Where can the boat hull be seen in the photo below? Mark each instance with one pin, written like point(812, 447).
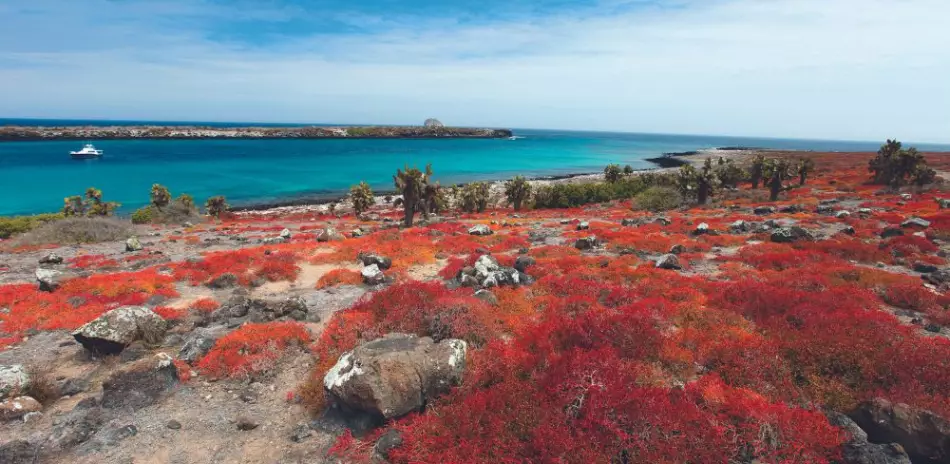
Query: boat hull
point(83, 156)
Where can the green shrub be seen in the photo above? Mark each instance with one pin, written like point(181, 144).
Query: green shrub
point(160, 196)
point(216, 206)
point(143, 215)
point(896, 166)
point(517, 191)
point(613, 173)
point(571, 195)
point(10, 226)
point(659, 199)
point(474, 197)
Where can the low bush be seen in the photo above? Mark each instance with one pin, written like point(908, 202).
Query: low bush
point(20, 224)
point(177, 211)
point(76, 230)
point(659, 199)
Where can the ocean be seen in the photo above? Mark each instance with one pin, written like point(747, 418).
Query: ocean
point(36, 176)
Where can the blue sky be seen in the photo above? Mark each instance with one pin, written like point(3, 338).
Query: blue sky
point(844, 69)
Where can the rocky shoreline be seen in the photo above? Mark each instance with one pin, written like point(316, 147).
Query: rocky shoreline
point(37, 133)
point(496, 187)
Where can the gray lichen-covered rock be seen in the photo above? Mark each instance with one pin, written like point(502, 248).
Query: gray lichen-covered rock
point(285, 234)
point(395, 375)
point(480, 230)
point(583, 225)
point(739, 226)
point(133, 244)
point(113, 331)
point(523, 263)
point(266, 310)
point(372, 275)
point(330, 235)
point(701, 229)
point(13, 378)
point(48, 279)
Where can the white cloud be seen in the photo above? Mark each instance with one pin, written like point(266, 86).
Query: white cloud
point(853, 69)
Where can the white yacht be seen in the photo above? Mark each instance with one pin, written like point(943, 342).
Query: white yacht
point(87, 151)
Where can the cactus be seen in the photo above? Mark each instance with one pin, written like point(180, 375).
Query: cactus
point(756, 170)
point(517, 191)
point(896, 166)
point(474, 197)
point(362, 197)
point(777, 172)
point(216, 206)
point(613, 173)
point(411, 183)
point(160, 196)
point(805, 166)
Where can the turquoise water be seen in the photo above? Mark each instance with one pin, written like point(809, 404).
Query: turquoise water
point(36, 176)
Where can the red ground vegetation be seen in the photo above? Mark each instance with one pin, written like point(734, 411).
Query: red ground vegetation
point(251, 349)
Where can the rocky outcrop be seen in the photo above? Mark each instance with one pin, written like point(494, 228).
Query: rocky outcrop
point(199, 343)
point(924, 435)
point(395, 375)
point(113, 331)
point(669, 261)
point(25, 133)
point(369, 258)
point(141, 384)
point(487, 273)
point(433, 123)
point(372, 275)
point(857, 449)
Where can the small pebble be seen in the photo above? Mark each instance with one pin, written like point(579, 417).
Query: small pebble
point(173, 424)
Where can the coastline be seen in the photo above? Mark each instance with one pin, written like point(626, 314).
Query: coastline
point(155, 132)
point(496, 187)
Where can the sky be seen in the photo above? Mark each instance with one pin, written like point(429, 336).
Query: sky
point(829, 69)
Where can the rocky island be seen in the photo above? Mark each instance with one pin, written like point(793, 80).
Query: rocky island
point(37, 133)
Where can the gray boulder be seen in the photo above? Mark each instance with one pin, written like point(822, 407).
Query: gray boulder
point(48, 279)
point(763, 210)
point(857, 449)
point(791, 234)
point(285, 234)
point(372, 275)
point(480, 230)
point(889, 232)
point(916, 222)
point(133, 244)
point(523, 263)
point(113, 331)
point(370, 258)
point(583, 225)
point(395, 375)
point(19, 452)
point(266, 310)
point(843, 214)
point(13, 379)
point(701, 229)
point(586, 243)
point(51, 258)
point(330, 235)
point(739, 226)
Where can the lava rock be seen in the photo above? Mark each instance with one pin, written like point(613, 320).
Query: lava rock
point(370, 258)
point(925, 268)
point(763, 210)
point(301, 432)
point(18, 452)
point(739, 226)
point(701, 229)
point(51, 258)
point(924, 435)
point(199, 343)
point(677, 249)
point(173, 425)
point(523, 263)
point(857, 449)
point(111, 332)
point(487, 296)
point(669, 261)
point(285, 234)
point(586, 243)
point(891, 232)
point(395, 375)
point(583, 225)
point(226, 280)
point(246, 424)
point(330, 235)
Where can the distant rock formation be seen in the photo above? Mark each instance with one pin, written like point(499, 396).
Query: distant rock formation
point(433, 123)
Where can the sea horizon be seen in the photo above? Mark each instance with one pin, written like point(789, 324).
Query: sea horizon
point(254, 173)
